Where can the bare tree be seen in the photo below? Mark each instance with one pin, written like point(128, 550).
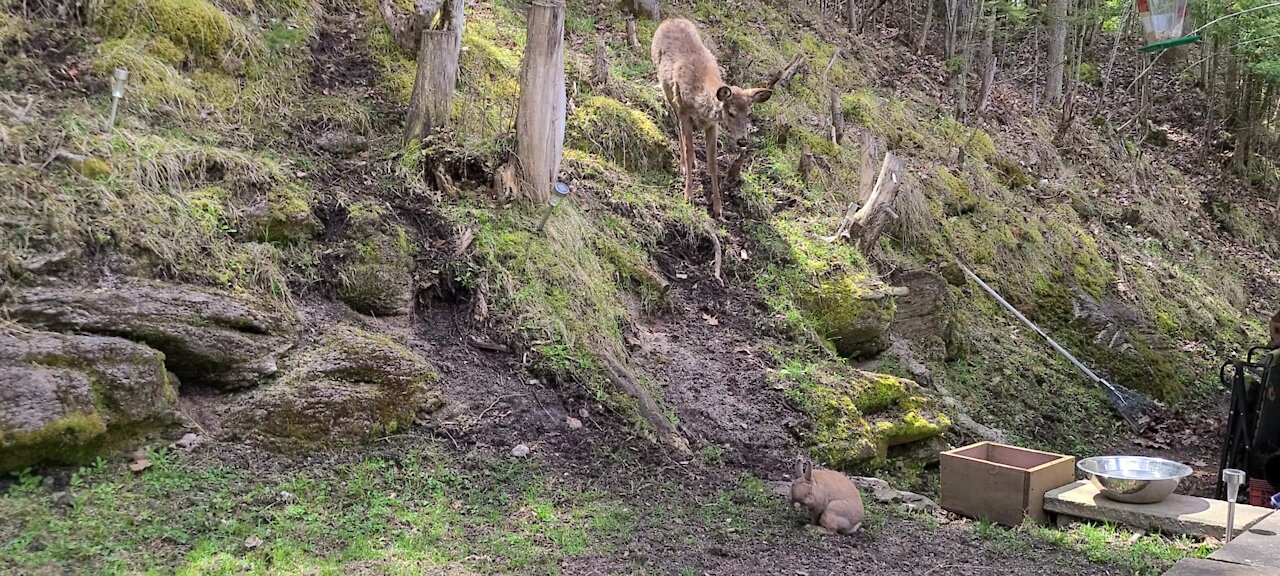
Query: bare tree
point(437, 74)
point(1056, 52)
point(541, 113)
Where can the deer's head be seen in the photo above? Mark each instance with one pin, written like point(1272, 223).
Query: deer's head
point(735, 113)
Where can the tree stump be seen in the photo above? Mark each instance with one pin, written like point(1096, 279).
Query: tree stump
point(437, 75)
point(540, 116)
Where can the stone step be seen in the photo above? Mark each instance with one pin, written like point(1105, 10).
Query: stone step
point(1178, 514)
point(1257, 546)
point(1197, 567)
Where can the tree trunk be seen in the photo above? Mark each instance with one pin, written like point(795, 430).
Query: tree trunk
point(1057, 52)
point(437, 75)
point(540, 114)
point(632, 39)
point(924, 28)
point(851, 14)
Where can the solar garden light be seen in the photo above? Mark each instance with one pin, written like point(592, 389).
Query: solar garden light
point(118, 81)
point(1234, 478)
point(559, 192)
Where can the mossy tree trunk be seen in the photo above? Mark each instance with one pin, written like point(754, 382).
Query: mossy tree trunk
point(437, 75)
point(540, 116)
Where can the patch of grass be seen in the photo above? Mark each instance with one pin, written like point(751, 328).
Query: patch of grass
point(418, 512)
point(1146, 554)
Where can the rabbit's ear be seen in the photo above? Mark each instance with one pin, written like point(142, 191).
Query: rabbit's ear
point(808, 471)
point(799, 468)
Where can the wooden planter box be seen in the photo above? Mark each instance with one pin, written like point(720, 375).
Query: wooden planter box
point(1000, 483)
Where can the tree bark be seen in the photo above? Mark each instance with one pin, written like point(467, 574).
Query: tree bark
point(851, 14)
point(437, 75)
point(1056, 52)
point(924, 28)
point(540, 114)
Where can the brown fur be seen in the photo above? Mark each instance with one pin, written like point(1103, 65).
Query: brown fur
point(699, 98)
point(834, 503)
point(1274, 327)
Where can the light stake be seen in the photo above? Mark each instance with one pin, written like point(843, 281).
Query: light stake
point(1234, 478)
point(118, 81)
point(559, 191)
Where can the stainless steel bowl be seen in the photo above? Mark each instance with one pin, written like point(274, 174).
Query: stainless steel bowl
point(1134, 479)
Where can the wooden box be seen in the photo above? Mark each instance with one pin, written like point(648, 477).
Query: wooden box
point(1000, 483)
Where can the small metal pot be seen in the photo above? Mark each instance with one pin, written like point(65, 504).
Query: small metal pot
point(1134, 479)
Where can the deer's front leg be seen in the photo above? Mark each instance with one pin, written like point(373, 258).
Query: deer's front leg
point(687, 158)
point(713, 166)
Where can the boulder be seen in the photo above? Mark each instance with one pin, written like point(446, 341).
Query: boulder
point(378, 279)
point(208, 336)
point(65, 398)
point(852, 315)
point(353, 387)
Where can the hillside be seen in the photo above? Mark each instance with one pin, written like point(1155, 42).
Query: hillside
point(391, 369)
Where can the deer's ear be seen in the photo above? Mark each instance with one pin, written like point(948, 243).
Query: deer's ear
point(723, 93)
point(759, 95)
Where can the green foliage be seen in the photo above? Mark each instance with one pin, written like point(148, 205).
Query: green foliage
point(198, 27)
point(613, 130)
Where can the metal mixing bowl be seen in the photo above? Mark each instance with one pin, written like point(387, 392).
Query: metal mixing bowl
point(1134, 479)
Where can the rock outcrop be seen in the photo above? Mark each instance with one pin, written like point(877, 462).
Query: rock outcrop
point(64, 398)
point(207, 336)
point(352, 388)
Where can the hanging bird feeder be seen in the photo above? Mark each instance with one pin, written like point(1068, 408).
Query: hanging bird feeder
point(1162, 22)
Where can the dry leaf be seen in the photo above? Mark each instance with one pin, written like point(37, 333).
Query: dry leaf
point(711, 319)
point(252, 542)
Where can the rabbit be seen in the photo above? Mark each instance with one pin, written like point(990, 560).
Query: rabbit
point(833, 501)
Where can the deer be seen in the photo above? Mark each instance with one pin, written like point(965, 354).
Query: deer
point(699, 99)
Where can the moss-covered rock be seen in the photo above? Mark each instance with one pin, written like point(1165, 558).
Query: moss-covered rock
point(354, 387)
point(850, 315)
point(67, 398)
point(196, 26)
point(627, 136)
point(855, 416)
point(378, 277)
point(208, 336)
point(284, 216)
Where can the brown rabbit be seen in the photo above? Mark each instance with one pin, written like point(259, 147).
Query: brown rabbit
point(832, 499)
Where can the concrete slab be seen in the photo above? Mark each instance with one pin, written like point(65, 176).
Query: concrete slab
point(1178, 514)
point(1197, 567)
point(1257, 546)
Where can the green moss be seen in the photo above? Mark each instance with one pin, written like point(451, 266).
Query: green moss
point(913, 426)
point(196, 26)
point(71, 439)
point(1089, 74)
point(856, 326)
point(860, 107)
point(1011, 174)
point(882, 392)
point(208, 208)
point(839, 434)
point(618, 132)
point(288, 216)
point(153, 80)
point(976, 141)
point(958, 199)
